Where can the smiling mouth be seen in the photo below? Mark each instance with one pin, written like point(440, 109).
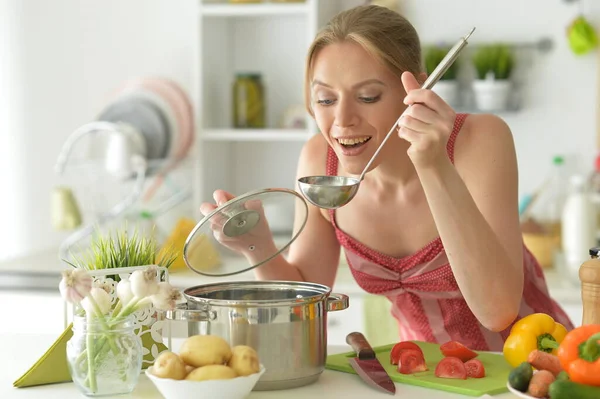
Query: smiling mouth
point(353, 142)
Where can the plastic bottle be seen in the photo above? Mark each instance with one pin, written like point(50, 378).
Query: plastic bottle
point(578, 227)
point(541, 216)
point(594, 190)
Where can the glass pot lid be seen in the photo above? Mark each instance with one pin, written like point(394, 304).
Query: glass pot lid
point(245, 232)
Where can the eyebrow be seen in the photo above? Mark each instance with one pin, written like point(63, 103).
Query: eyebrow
point(359, 84)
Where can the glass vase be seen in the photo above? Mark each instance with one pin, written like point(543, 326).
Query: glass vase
point(104, 355)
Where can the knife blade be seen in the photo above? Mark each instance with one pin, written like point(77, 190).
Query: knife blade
point(367, 366)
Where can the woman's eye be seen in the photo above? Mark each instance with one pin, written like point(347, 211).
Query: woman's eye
point(369, 100)
point(324, 102)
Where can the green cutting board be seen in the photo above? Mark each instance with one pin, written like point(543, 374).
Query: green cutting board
point(496, 370)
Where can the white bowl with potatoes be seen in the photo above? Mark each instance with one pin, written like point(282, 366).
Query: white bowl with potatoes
point(206, 367)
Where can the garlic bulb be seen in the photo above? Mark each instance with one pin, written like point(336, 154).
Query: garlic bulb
point(97, 303)
point(75, 285)
point(166, 298)
point(124, 291)
point(144, 282)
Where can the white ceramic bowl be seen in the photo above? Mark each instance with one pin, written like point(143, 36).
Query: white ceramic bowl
point(235, 388)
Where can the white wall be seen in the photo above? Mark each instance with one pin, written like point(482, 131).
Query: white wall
point(61, 59)
point(65, 59)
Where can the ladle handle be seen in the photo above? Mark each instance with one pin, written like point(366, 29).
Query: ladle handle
point(435, 76)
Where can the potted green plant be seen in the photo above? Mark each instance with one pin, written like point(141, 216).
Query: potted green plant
point(447, 86)
point(493, 65)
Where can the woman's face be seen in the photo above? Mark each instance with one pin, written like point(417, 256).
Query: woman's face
point(355, 100)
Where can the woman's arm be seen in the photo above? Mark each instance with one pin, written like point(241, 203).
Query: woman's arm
point(475, 207)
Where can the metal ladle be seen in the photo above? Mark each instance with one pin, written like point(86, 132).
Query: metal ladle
point(331, 192)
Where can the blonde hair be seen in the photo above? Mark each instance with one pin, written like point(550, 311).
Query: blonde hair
point(383, 33)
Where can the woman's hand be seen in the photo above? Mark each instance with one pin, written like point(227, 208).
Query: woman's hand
point(256, 244)
point(427, 124)
point(220, 197)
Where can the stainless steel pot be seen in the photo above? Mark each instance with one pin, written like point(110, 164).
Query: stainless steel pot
point(286, 322)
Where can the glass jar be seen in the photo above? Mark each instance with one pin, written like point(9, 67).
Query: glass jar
point(248, 101)
point(104, 357)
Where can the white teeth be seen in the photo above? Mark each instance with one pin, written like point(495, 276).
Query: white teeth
point(352, 141)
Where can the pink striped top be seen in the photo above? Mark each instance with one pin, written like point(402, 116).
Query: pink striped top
point(424, 295)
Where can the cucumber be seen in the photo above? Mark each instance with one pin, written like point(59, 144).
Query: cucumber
point(562, 376)
point(520, 376)
point(563, 389)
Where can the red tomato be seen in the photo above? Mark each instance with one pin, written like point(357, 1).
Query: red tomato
point(451, 367)
point(399, 347)
point(412, 361)
point(456, 349)
point(475, 368)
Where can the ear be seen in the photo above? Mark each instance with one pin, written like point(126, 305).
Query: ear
point(421, 78)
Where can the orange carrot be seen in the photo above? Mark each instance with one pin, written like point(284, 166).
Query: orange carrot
point(545, 361)
point(540, 383)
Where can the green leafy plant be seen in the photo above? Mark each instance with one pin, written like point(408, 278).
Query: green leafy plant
point(495, 58)
point(433, 55)
point(121, 249)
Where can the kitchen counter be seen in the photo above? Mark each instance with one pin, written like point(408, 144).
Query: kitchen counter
point(24, 349)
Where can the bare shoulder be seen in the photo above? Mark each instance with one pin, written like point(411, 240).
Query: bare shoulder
point(483, 138)
point(313, 158)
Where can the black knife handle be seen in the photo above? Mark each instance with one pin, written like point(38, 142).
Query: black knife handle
point(361, 346)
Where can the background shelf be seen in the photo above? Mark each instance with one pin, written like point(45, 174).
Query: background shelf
point(300, 135)
point(248, 10)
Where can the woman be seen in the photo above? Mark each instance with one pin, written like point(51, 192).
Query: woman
point(434, 226)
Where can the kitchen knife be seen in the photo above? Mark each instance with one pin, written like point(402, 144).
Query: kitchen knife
point(366, 364)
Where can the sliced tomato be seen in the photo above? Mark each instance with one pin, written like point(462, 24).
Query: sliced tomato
point(412, 361)
point(456, 349)
point(475, 368)
point(451, 367)
point(399, 347)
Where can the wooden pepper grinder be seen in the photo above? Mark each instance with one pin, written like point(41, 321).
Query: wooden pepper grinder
point(589, 274)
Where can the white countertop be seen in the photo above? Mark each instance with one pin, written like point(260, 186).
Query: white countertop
point(24, 349)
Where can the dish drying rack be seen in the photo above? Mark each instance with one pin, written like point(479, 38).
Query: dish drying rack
point(150, 127)
point(143, 171)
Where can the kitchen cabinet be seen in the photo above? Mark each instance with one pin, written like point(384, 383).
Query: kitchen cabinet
point(268, 38)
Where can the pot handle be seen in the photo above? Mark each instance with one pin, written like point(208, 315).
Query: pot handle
point(337, 302)
point(182, 313)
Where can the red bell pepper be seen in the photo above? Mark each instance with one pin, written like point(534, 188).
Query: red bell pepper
point(579, 354)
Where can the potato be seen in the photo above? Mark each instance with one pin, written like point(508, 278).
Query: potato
point(244, 360)
point(212, 372)
point(189, 369)
point(169, 365)
point(205, 350)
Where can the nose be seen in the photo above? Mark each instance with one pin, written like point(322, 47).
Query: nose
point(345, 114)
